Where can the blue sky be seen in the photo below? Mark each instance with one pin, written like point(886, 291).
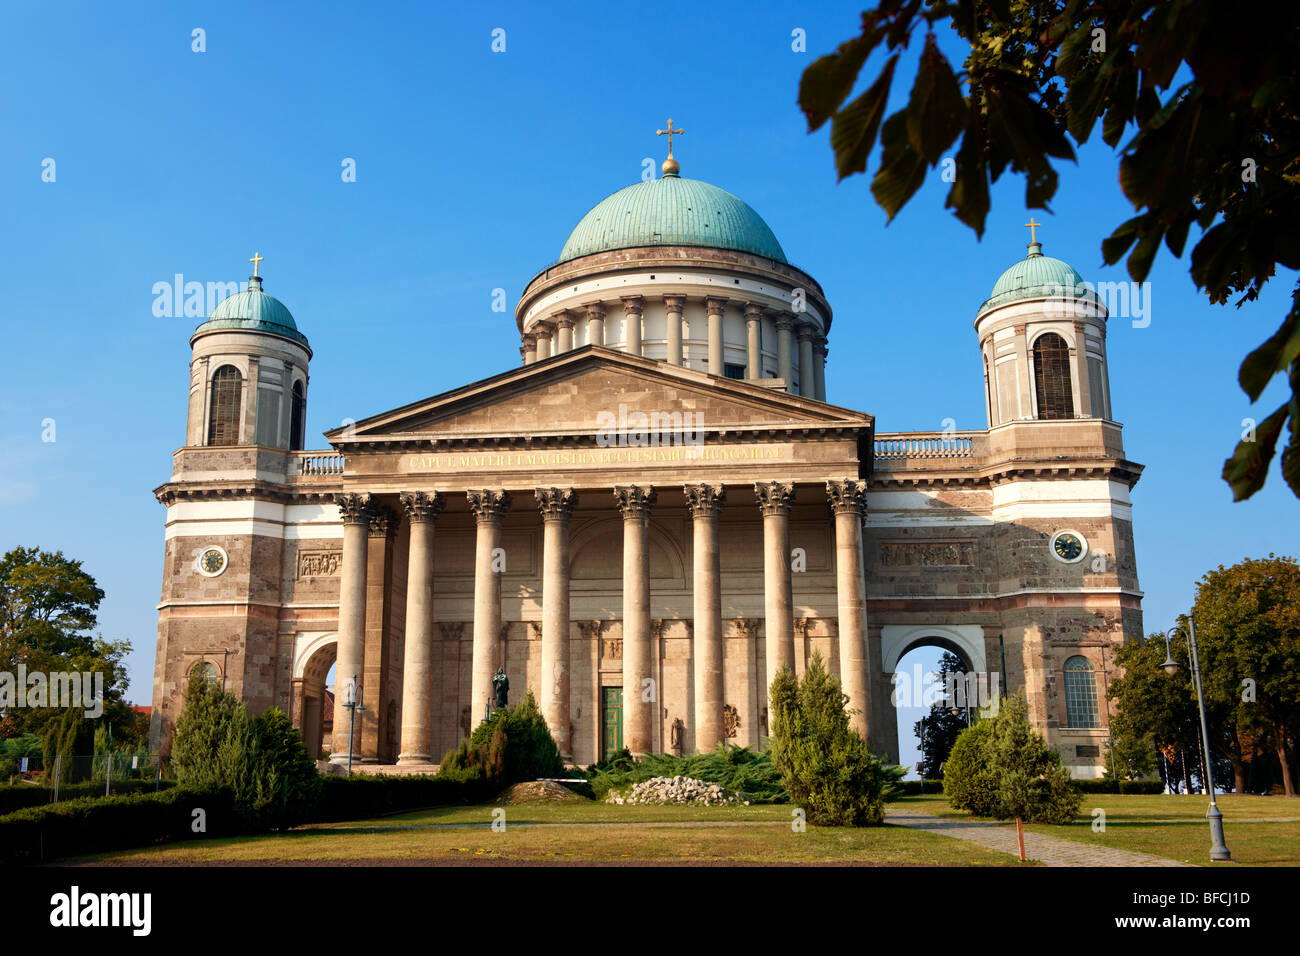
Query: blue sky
point(472, 167)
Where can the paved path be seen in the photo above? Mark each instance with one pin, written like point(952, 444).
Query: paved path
point(1001, 837)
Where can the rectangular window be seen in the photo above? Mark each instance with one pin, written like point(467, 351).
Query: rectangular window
point(733, 371)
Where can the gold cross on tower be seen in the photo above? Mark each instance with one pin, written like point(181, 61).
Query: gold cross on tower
point(1032, 227)
point(255, 261)
point(670, 164)
point(670, 132)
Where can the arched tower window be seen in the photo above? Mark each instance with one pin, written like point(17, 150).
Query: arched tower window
point(227, 395)
point(296, 416)
point(1080, 693)
point(1052, 385)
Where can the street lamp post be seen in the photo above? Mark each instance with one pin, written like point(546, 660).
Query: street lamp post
point(353, 703)
point(1218, 849)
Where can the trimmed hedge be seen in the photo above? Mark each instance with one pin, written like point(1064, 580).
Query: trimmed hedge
point(912, 788)
point(1145, 787)
point(362, 796)
point(21, 796)
point(80, 827)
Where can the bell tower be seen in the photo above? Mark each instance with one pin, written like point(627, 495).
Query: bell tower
point(248, 373)
point(1042, 336)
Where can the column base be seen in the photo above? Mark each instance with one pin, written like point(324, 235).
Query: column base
point(343, 759)
point(406, 760)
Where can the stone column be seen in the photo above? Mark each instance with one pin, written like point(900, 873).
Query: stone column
point(819, 367)
point(564, 332)
point(704, 502)
point(807, 377)
point(489, 508)
point(636, 501)
point(848, 501)
point(673, 305)
point(715, 308)
point(529, 349)
point(753, 357)
point(422, 510)
point(784, 349)
point(774, 500)
point(1079, 372)
point(248, 424)
point(378, 653)
point(1024, 376)
point(632, 305)
point(542, 333)
point(595, 323)
point(557, 506)
point(355, 511)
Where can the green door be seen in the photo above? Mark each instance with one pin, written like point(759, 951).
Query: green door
point(612, 711)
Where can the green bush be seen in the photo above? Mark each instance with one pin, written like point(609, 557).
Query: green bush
point(735, 768)
point(511, 746)
point(968, 781)
point(21, 796)
point(261, 759)
point(79, 827)
point(825, 767)
point(1001, 768)
point(363, 796)
point(1144, 787)
point(912, 788)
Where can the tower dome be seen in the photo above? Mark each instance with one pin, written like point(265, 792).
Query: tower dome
point(1034, 276)
point(672, 211)
point(252, 311)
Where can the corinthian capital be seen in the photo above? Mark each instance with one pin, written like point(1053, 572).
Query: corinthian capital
point(556, 504)
point(634, 500)
point(704, 500)
point(488, 505)
point(847, 496)
point(774, 497)
point(355, 508)
point(422, 506)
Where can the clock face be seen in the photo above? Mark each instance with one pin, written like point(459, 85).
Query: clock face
point(212, 562)
point(1068, 546)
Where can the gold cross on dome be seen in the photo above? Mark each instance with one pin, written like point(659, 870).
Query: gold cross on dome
point(1032, 227)
point(256, 260)
point(670, 132)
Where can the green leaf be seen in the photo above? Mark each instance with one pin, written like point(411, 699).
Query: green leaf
point(1275, 355)
point(936, 112)
point(969, 196)
point(1246, 470)
point(902, 169)
point(853, 132)
point(826, 83)
point(1119, 241)
point(1139, 262)
point(1072, 49)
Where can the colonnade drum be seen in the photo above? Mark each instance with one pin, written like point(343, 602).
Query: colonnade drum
point(710, 719)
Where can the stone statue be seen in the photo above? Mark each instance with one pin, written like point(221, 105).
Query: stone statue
point(500, 688)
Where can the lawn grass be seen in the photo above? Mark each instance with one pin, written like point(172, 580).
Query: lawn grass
point(1172, 826)
point(576, 834)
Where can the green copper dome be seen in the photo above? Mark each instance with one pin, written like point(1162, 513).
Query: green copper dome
point(1034, 276)
point(671, 211)
point(252, 311)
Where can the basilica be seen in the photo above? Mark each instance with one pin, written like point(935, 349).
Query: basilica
point(650, 512)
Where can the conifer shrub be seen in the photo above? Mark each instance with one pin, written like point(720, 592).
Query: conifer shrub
point(1001, 768)
point(261, 760)
point(968, 780)
point(825, 767)
point(511, 746)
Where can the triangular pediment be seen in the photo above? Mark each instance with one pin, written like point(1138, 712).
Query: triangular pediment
point(581, 392)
